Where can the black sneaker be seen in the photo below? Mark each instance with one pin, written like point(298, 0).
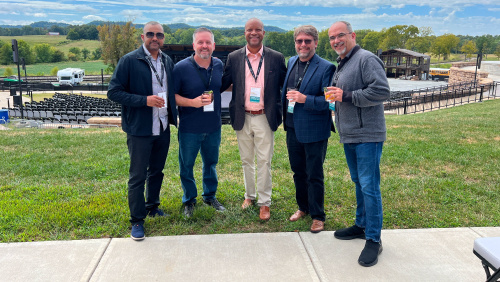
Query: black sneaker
point(349, 233)
point(216, 204)
point(188, 210)
point(156, 212)
point(369, 255)
point(137, 233)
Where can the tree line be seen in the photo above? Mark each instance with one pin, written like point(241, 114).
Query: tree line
point(119, 39)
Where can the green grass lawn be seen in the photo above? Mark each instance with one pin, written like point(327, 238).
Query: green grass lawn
point(439, 169)
point(90, 67)
point(60, 42)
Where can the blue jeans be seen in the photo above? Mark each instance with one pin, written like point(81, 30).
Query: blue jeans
point(189, 146)
point(363, 160)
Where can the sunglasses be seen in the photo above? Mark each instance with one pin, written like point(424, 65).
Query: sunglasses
point(151, 34)
point(306, 41)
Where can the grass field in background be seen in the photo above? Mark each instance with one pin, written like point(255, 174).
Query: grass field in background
point(90, 67)
point(59, 42)
point(439, 169)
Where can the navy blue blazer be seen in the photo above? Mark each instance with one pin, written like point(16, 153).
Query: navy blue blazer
point(312, 120)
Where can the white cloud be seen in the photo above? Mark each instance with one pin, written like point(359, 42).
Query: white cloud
point(398, 6)
point(39, 15)
point(93, 18)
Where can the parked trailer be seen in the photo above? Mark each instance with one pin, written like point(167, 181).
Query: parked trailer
point(70, 76)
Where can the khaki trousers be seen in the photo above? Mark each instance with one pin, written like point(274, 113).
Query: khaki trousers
point(256, 139)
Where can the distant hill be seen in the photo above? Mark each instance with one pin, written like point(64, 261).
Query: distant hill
point(173, 27)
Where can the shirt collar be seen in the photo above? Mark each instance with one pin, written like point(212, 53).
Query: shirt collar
point(146, 51)
point(348, 54)
point(260, 51)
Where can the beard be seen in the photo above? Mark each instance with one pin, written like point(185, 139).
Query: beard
point(204, 55)
point(342, 51)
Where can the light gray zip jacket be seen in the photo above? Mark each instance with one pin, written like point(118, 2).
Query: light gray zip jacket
point(360, 115)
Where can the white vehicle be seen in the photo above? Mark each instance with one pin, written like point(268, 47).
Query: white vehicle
point(70, 76)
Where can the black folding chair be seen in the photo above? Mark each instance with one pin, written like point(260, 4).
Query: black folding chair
point(487, 249)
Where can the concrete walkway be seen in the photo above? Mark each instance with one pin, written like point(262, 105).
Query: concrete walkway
point(409, 255)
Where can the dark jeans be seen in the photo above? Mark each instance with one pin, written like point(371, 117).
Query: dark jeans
point(147, 160)
point(306, 161)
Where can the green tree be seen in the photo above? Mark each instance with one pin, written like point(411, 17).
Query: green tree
point(468, 49)
point(444, 44)
point(371, 41)
point(8, 71)
point(44, 52)
point(25, 52)
point(485, 44)
point(116, 41)
point(54, 71)
point(360, 34)
point(96, 54)
point(72, 57)
point(397, 36)
point(85, 53)
point(73, 35)
point(57, 55)
point(497, 51)
point(6, 54)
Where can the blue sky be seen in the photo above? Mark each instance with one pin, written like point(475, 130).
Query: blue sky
point(463, 17)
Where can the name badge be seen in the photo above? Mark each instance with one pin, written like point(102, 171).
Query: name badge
point(209, 107)
point(164, 96)
point(255, 94)
point(291, 105)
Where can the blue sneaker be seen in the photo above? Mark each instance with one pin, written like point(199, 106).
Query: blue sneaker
point(156, 212)
point(137, 233)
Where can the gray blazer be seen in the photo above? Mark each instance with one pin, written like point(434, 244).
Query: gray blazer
point(274, 76)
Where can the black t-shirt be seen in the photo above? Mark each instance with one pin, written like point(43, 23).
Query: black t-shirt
point(292, 83)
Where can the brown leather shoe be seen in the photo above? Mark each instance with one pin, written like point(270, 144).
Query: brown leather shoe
point(298, 214)
point(265, 214)
point(317, 226)
point(247, 203)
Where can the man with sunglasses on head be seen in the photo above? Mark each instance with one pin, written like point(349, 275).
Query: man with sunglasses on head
point(197, 94)
point(359, 90)
point(308, 121)
point(143, 84)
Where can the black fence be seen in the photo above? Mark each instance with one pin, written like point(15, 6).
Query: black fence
point(435, 98)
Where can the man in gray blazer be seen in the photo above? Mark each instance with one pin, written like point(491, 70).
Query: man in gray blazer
point(257, 74)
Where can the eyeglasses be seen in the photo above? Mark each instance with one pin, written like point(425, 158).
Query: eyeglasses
point(340, 36)
point(151, 34)
point(306, 41)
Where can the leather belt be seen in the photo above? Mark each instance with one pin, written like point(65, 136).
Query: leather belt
point(259, 112)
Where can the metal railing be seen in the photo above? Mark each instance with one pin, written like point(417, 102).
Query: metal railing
point(435, 98)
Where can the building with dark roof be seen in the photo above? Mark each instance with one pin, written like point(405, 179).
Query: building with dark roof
point(406, 63)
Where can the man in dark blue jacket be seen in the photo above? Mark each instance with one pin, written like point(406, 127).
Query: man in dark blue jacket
point(143, 84)
point(308, 122)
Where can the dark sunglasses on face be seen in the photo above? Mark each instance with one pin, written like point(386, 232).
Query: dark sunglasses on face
point(151, 34)
point(306, 41)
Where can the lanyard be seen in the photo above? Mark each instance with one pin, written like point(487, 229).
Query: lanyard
point(298, 80)
point(258, 69)
point(202, 77)
point(148, 59)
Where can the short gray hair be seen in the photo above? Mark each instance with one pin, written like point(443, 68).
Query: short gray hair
point(307, 29)
point(348, 25)
point(203, 29)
